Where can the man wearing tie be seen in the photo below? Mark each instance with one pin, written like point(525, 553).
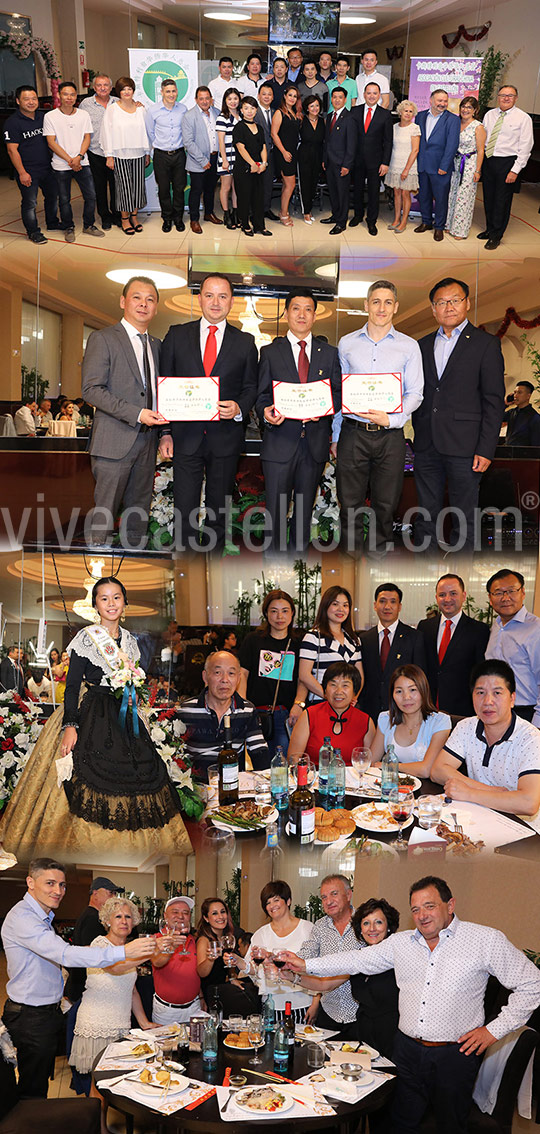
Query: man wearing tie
point(385, 646)
point(454, 644)
point(263, 118)
point(11, 672)
point(294, 453)
point(119, 378)
point(509, 146)
point(199, 449)
point(338, 158)
point(373, 149)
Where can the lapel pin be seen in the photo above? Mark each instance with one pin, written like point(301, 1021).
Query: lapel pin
point(398, 656)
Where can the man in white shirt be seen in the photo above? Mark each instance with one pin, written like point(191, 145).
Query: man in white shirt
point(68, 132)
point(509, 144)
point(441, 969)
point(515, 638)
point(222, 82)
point(95, 106)
point(369, 74)
point(25, 419)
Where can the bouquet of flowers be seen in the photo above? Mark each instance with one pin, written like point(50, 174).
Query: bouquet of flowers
point(127, 673)
point(166, 733)
point(19, 730)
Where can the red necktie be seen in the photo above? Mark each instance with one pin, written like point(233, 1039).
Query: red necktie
point(210, 352)
point(385, 647)
point(303, 362)
point(333, 120)
point(447, 634)
point(367, 120)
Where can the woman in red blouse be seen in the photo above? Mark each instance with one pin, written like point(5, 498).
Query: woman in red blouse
point(337, 717)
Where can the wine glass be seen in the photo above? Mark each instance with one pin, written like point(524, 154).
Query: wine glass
point(401, 804)
point(278, 959)
point(214, 949)
point(257, 954)
point(165, 931)
point(228, 942)
point(255, 1036)
point(361, 760)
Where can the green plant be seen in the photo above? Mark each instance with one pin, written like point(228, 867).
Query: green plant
point(232, 895)
point(470, 607)
point(242, 609)
point(178, 889)
point(308, 590)
point(493, 64)
point(33, 384)
point(534, 358)
point(312, 910)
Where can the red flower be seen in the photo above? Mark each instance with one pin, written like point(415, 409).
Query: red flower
point(180, 763)
point(8, 744)
point(2, 719)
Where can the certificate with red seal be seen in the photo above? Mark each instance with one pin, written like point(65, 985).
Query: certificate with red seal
point(363, 392)
point(303, 400)
point(188, 399)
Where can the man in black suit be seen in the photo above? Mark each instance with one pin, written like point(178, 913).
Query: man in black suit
point(454, 644)
point(11, 672)
point(338, 157)
point(385, 647)
point(522, 419)
point(210, 346)
point(263, 118)
point(294, 453)
point(373, 149)
point(456, 428)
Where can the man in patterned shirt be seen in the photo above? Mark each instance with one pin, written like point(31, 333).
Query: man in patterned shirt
point(441, 969)
point(335, 1010)
point(499, 750)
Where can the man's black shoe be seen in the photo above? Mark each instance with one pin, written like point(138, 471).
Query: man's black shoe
point(372, 229)
point(328, 220)
point(492, 244)
point(37, 237)
point(337, 229)
point(106, 225)
point(355, 220)
point(271, 215)
point(482, 235)
point(180, 226)
point(166, 226)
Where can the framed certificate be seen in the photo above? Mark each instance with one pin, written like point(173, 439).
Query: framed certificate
point(188, 399)
point(303, 400)
point(363, 392)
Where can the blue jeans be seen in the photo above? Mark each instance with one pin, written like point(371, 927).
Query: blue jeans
point(281, 736)
point(46, 181)
point(85, 182)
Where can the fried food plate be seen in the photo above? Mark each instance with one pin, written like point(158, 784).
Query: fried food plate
point(246, 810)
point(131, 1050)
point(160, 1081)
point(377, 817)
point(263, 1100)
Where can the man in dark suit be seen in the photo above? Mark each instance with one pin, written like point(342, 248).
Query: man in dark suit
point(522, 419)
point(385, 647)
point(456, 428)
point(338, 157)
point(210, 346)
point(373, 149)
point(294, 453)
point(454, 644)
point(119, 372)
point(263, 118)
point(439, 140)
point(11, 672)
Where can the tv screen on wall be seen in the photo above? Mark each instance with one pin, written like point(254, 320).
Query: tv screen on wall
point(304, 21)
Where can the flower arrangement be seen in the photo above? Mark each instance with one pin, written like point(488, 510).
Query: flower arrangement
point(325, 519)
point(19, 730)
point(23, 46)
point(160, 527)
point(166, 733)
point(127, 673)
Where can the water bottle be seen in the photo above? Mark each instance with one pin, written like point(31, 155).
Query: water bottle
point(325, 755)
point(210, 1042)
point(389, 772)
point(269, 1014)
point(336, 779)
point(279, 780)
point(281, 1048)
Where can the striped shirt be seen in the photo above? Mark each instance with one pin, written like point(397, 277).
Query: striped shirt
point(205, 733)
point(225, 125)
point(339, 1004)
point(323, 651)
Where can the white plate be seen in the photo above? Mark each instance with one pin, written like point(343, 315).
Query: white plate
point(155, 1088)
point(338, 1045)
point(312, 1035)
point(223, 826)
point(340, 838)
point(127, 1051)
point(386, 851)
point(287, 1105)
point(374, 792)
point(371, 824)
point(234, 1046)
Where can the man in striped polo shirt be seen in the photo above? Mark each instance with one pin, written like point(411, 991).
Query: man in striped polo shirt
point(203, 717)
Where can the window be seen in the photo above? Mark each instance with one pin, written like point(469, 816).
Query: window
point(41, 344)
point(146, 34)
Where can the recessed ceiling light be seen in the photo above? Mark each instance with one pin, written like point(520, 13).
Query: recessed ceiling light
point(227, 15)
point(353, 289)
point(162, 277)
point(357, 20)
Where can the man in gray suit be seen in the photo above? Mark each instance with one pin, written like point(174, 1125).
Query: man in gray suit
point(119, 373)
point(201, 146)
point(263, 118)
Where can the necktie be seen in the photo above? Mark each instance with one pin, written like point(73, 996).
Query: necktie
point(492, 140)
point(303, 363)
point(146, 371)
point(367, 120)
point(385, 647)
point(210, 351)
point(333, 120)
point(447, 634)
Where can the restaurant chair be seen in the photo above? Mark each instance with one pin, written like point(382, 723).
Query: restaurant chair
point(62, 429)
point(7, 428)
point(49, 1116)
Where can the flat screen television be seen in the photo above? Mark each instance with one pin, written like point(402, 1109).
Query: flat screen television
point(269, 275)
point(306, 22)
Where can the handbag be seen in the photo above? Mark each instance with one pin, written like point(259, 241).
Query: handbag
point(266, 716)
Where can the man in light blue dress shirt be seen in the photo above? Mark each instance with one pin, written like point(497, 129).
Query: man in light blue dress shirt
point(164, 128)
point(35, 955)
point(370, 447)
point(515, 638)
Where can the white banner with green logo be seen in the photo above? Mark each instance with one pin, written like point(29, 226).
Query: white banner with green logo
point(148, 68)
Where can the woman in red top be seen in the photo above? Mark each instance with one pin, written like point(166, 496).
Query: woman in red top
point(337, 717)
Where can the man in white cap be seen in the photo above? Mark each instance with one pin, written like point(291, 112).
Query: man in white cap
point(177, 984)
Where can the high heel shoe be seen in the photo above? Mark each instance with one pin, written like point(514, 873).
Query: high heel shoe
point(234, 218)
point(136, 227)
point(129, 231)
point(227, 219)
point(286, 220)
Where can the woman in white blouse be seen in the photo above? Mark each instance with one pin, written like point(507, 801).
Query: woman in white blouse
point(127, 149)
point(413, 724)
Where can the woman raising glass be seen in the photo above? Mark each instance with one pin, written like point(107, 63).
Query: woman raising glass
point(216, 941)
point(333, 638)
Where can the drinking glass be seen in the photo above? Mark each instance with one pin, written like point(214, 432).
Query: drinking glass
point(361, 760)
point(228, 942)
point(235, 1022)
point(278, 959)
point(165, 931)
point(256, 1036)
point(401, 804)
point(429, 809)
point(214, 949)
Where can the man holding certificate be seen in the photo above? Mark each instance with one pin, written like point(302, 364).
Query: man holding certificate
point(383, 383)
point(207, 440)
point(299, 391)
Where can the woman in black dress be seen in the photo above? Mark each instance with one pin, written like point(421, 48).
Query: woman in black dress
point(310, 153)
point(251, 161)
point(285, 131)
point(216, 934)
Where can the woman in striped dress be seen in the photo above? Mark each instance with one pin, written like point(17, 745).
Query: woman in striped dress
point(127, 149)
point(225, 124)
point(332, 639)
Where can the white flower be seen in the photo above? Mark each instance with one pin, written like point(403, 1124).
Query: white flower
point(158, 734)
point(181, 779)
point(22, 739)
point(179, 728)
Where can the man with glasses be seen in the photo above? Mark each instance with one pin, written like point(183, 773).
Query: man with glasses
point(509, 145)
point(515, 637)
point(456, 428)
point(96, 105)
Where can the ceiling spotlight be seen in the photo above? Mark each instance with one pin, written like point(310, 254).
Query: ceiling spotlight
point(357, 19)
point(163, 278)
point(218, 14)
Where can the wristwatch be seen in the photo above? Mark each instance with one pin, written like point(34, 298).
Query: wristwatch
point(301, 703)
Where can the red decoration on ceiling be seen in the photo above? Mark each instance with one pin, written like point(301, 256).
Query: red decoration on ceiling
point(462, 33)
point(511, 316)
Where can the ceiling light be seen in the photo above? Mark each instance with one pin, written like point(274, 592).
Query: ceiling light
point(357, 20)
point(353, 289)
point(163, 277)
point(328, 271)
point(227, 15)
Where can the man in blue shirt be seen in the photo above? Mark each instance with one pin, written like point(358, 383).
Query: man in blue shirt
point(370, 447)
point(35, 955)
point(30, 155)
point(164, 127)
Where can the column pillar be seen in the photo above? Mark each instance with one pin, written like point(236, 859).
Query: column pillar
point(71, 27)
point(191, 591)
point(10, 337)
point(72, 354)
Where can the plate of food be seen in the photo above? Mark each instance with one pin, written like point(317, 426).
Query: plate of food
point(246, 815)
point(264, 1100)
point(130, 1050)
point(308, 1031)
point(372, 783)
point(354, 1047)
point(372, 848)
point(458, 844)
point(237, 1041)
point(152, 1081)
point(337, 823)
point(377, 817)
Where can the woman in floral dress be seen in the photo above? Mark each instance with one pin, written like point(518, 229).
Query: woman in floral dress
point(467, 168)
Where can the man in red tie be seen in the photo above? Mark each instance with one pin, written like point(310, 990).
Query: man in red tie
point(209, 449)
point(294, 452)
point(454, 644)
point(373, 149)
point(389, 644)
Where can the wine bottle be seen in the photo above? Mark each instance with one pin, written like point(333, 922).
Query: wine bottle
point(289, 1025)
point(228, 767)
point(302, 808)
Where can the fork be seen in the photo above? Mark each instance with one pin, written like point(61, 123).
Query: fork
point(231, 1093)
point(457, 827)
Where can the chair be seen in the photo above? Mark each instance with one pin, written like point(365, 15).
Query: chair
point(194, 663)
point(62, 429)
point(7, 428)
point(49, 1116)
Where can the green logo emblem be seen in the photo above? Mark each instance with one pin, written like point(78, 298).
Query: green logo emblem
point(164, 69)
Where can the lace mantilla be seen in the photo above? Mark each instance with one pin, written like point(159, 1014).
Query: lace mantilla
point(84, 645)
